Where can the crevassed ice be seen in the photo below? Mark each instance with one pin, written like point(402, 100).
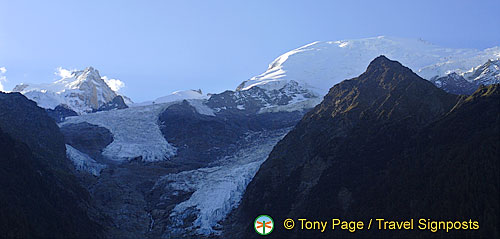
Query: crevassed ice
point(135, 132)
point(216, 190)
point(83, 162)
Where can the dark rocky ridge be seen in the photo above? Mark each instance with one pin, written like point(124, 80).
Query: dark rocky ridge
point(387, 144)
point(60, 113)
point(23, 120)
point(39, 195)
point(205, 138)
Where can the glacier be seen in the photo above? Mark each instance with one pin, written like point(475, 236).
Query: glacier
point(135, 132)
point(217, 189)
point(83, 162)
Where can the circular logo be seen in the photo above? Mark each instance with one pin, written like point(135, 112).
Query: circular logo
point(263, 225)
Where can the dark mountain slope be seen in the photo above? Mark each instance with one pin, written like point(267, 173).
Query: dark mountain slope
point(206, 138)
point(364, 152)
point(60, 113)
point(451, 169)
point(39, 196)
point(24, 121)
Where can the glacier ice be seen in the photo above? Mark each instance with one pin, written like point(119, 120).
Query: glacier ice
point(217, 189)
point(83, 162)
point(135, 132)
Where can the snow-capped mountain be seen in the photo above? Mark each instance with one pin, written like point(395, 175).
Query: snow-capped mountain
point(320, 65)
point(486, 74)
point(82, 91)
point(466, 83)
point(455, 84)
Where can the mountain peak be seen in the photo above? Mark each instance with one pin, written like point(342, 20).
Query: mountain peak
point(89, 73)
point(83, 91)
point(387, 89)
point(388, 72)
point(383, 62)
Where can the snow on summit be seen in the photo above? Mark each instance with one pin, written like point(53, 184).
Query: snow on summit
point(320, 65)
point(176, 96)
point(83, 91)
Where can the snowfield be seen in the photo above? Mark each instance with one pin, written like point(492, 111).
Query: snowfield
point(135, 132)
point(218, 189)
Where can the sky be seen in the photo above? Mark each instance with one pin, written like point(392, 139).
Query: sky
point(157, 47)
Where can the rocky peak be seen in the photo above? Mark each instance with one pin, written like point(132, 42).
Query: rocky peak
point(96, 91)
point(384, 70)
point(89, 73)
point(387, 90)
point(82, 91)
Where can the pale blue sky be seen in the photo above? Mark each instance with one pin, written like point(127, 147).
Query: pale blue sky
point(157, 47)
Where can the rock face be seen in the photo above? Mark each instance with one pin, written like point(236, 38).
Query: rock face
point(116, 103)
point(39, 196)
point(95, 92)
point(387, 144)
